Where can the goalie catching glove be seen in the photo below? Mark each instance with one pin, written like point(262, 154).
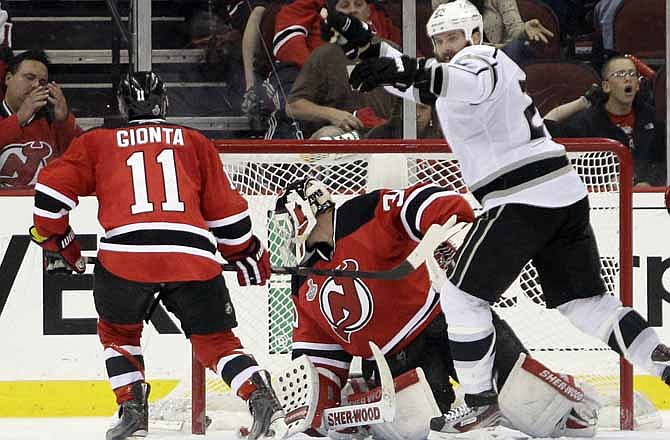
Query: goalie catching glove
point(401, 73)
point(253, 264)
point(62, 253)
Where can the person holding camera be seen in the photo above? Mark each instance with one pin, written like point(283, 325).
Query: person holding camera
point(36, 124)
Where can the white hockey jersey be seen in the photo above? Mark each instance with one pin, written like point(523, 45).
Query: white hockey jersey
point(504, 150)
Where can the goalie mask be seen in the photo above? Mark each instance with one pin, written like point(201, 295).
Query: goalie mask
point(295, 215)
point(458, 15)
point(142, 95)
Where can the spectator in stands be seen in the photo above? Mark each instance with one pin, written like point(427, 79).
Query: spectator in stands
point(618, 112)
point(604, 14)
point(252, 39)
point(298, 30)
point(36, 124)
point(503, 26)
point(427, 125)
point(321, 97)
point(257, 103)
point(297, 35)
point(298, 26)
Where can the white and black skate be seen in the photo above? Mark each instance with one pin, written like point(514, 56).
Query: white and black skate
point(661, 355)
point(133, 415)
point(480, 411)
point(268, 416)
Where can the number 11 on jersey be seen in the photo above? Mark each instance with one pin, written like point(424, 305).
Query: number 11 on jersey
point(137, 165)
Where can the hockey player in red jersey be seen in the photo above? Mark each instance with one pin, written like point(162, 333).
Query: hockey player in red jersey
point(337, 316)
point(162, 193)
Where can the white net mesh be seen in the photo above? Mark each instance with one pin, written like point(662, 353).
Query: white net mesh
point(265, 314)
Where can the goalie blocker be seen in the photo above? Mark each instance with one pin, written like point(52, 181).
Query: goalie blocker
point(534, 399)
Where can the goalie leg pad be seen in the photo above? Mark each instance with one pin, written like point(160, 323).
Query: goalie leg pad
point(542, 403)
point(415, 406)
point(298, 391)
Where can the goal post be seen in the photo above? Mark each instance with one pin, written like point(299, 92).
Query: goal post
point(261, 169)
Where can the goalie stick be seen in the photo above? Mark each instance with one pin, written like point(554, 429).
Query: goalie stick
point(371, 413)
point(433, 237)
point(431, 240)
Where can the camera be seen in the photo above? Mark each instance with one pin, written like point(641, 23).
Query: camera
point(47, 112)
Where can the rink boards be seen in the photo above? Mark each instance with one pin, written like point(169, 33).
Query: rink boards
point(53, 363)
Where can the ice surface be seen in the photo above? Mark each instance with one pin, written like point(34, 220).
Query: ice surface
point(92, 428)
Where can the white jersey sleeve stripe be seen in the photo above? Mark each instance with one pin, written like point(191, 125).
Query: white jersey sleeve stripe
point(56, 195)
point(285, 35)
point(228, 220)
point(48, 214)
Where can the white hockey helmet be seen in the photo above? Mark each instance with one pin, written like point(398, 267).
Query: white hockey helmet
point(295, 214)
point(456, 15)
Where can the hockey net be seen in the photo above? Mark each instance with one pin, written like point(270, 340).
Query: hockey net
point(265, 314)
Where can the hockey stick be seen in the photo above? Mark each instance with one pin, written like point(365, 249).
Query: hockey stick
point(371, 413)
point(433, 237)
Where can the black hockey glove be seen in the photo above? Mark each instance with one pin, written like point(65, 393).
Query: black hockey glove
point(401, 73)
point(62, 253)
point(595, 95)
point(350, 33)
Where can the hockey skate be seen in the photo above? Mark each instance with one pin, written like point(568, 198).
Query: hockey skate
point(266, 410)
point(661, 355)
point(133, 415)
point(470, 420)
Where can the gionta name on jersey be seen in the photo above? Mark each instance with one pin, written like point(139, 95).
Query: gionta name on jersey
point(145, 135)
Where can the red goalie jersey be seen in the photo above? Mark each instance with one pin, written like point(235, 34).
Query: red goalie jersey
point(336, 317)
point(162, 192)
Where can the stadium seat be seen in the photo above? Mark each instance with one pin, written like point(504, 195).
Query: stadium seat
point(554, 83)
point(639, 28)
point(530, 9)
point(423, 11)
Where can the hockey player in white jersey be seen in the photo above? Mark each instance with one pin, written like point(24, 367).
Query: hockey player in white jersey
point(534, 207)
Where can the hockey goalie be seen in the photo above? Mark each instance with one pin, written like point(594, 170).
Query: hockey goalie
point(337, 318)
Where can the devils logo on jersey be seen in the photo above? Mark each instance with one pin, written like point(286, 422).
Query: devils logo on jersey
point(20, 163)
point(346, 303)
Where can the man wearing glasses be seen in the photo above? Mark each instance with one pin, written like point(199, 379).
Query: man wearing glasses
point(622, 116)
